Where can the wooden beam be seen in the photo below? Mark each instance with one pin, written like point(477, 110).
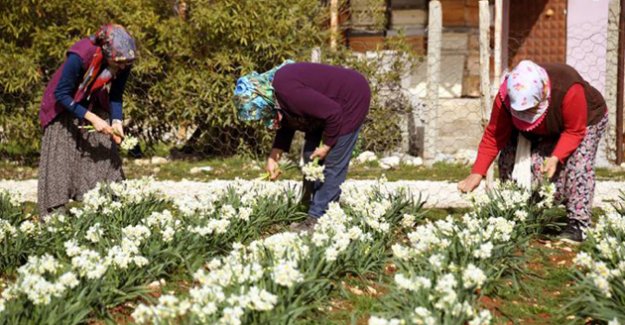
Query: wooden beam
point(334, 22)
point(619, 85)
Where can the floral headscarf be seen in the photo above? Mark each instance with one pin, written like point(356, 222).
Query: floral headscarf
point(114, 43)
point(254, 97)
point(528, 87)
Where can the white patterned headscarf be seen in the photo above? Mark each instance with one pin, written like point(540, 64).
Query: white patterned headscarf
point(529, 92)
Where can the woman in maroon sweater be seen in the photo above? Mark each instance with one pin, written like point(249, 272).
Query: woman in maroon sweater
point(328, 103)
point(564, 118)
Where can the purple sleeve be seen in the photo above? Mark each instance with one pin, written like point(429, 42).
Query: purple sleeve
point(283, 139)
point(308, 102)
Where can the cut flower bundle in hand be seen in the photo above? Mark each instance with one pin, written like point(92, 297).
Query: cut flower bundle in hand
point(313, 171)
point(284, 165)
point(127, 143)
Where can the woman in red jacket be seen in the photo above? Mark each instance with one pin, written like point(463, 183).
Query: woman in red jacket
point(564, 117)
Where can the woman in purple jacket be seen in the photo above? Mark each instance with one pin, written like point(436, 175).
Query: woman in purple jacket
point(88, 86)
point(328, 103)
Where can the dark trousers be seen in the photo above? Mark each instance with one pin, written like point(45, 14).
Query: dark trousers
point(318, 195)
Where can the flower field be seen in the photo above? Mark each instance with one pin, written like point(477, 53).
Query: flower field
point(128, 254)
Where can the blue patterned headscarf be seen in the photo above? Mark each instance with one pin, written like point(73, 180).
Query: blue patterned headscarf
point(254, 97)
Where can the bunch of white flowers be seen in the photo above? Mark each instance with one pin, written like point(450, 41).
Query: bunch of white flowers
point(416, 283)
point(94, 233)
point(36, 281)
point(168, 308)
point(163, 223)
point(313, 171)
point(285, 273)
point(473, 277)
point(606, 262)
point(129, 143)
point(89, 263)
point(16, 198)
point(6, 230)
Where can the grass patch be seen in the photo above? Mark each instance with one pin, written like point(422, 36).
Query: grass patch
point(544, 292)
point(247, 168)
point(610, 174)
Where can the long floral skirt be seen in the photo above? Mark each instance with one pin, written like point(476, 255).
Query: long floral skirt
point(73, 161)
point(574, 180)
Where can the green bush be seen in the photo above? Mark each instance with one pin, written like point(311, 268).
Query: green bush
point(184, 77)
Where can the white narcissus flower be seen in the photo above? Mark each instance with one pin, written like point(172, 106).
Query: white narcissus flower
point(436, 261)
point(483, 318)
point(583, 260)
point(89, 264)
point(28, 227)
point(331, 254)
point(602, 284)
point(484, 252)
point(286, 274)
point(137, 233)
point(168, 234)
point(261, 299)
point(168, 309)
point(401, 252)
point(231, 316)
point(521, 215)
point(94, 233)
point(71, 248)
point(245, 213)
point(313, 172)
point(6, 230)
point(423, 316)
point(129, 143)
point(413, 284)
point(374, 320)
point(69, 280)
point(76, 212)
point(408, 220)
point(473, 277)
point(140, 261)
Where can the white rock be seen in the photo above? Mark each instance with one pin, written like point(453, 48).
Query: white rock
point(441, 157)
point(196, 170)
point(141, 162)
point(623, 165)
point(366, 156)
point(390, 162)
point(158, 160)
point(466, 156)
point(413, 161)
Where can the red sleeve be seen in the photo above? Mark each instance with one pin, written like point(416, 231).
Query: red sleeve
point(496, 136)
point(574, 116)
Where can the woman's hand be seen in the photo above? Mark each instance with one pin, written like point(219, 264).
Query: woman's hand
point(550, 166)
point(321, 152)
point(273, 168)
point(99, 124)
point(470, 183)
point(118, 131)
